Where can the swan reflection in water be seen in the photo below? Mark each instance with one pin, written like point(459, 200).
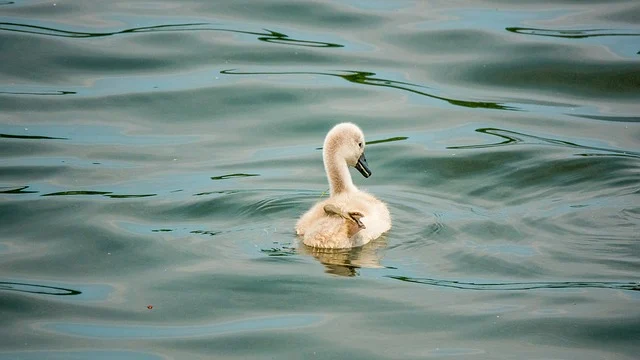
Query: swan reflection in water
point(346, 262)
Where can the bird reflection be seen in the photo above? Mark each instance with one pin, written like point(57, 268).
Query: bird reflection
point(346, 262)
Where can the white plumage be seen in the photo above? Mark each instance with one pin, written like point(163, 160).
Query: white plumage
point(349, 217)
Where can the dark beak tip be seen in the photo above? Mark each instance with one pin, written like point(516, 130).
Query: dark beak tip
point(363, 167)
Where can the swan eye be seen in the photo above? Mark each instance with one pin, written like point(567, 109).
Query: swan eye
point(360, 144)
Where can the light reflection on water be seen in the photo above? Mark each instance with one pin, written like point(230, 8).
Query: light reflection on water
point(89, 354)
point(164, 332)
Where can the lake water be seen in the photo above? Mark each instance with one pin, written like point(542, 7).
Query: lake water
point(155, 156)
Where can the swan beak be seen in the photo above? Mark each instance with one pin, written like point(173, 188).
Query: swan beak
point(363, 167)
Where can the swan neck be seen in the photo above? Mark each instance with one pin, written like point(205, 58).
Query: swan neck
point(338, 173)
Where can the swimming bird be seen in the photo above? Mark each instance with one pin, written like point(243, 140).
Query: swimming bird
point(349, 217)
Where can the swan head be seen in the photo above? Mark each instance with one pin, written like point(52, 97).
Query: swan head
point(346, 141)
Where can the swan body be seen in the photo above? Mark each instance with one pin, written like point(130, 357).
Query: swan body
point(349, 217)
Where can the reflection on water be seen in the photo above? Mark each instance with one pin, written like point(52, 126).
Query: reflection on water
point(573, 34)
point(391, 139)
point(103, 193)
point(342, 262)
point(46, 93)
point(346, 262)
point(521, 285)
point(31, 137)
point(267, 36)
point(366, 78)
point(19, 190)
point(230, 176)
point(514, 138)
point(37, 289)
point(81, 292)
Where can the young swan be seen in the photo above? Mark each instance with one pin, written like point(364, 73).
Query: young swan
point(349, 217)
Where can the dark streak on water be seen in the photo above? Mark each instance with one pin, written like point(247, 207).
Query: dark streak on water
point(31, 137)
point(267, 36)
point(37, 289)
point(572, 34)
point(230, 176)
point(521, 285)
point(366, 78)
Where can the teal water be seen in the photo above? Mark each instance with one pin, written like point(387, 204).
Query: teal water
point(154, 158)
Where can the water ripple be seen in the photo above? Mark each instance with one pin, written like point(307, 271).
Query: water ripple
point(391, 139)
point(37, 289)
point(231, 176)
point(31, 137)
point(366, 78)
point(51, 92)
point(533, 285)
point(513, 137)
point(92, 192)
point(268, 36)
point(139, 170)
point(572, 34)
point(630, 119)
point(18, 190)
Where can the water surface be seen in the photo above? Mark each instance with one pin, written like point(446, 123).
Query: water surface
point(156, 155)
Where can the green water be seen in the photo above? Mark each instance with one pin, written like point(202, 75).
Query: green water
point(155, 156)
